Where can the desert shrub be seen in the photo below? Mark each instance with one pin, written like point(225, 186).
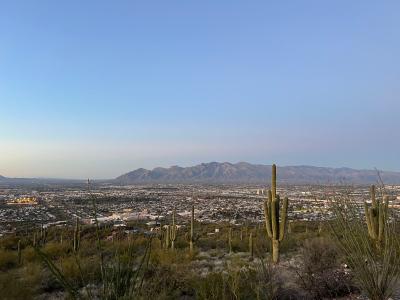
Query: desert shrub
point(166, 282)
point(320, 274)
point(375, 267)
point(259, 282)
point(8, 259)
point(11, 287)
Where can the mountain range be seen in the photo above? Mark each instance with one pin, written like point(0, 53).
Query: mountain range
point(243, 172)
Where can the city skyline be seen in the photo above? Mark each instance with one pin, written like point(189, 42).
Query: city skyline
point(96, 90)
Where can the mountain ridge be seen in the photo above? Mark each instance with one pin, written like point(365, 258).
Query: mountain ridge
point(243, 172)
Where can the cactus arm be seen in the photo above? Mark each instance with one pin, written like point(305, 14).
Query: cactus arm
point(381, 225)
point(283, 220)
point(267, 214)
point(273, 181)
point(373, 223)
point(373, 196)
point(386, 204)
point(368, 219)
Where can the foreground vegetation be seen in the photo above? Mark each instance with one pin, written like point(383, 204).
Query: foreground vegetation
point(355, 254)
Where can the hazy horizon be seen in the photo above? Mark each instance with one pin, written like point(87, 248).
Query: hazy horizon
point(96, 89)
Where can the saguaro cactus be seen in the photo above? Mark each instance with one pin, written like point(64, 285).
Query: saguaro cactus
point(19, 252)
point(172, 234)
point(160, 235)
point(275, 217)
point(376, 216)
point(76, 235)
point(251, 250)
point(230, 239)
point(192, 236)
point(167, 231)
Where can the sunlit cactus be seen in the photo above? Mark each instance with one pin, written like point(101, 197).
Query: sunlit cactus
point(172, 234)
point(275, 217)
point(376, 216)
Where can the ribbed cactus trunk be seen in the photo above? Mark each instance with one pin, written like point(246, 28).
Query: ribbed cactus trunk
point(173, 231)
point(376, 217)
point(275, 217)
point(191, 240)
point(167, 237)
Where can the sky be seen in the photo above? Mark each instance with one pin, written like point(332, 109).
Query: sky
point(99, 88)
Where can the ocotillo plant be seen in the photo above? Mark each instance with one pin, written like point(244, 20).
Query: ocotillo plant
point(172, 234)
point(19, 252)
point(76, 241)
point(275, 217)
point(376, 217)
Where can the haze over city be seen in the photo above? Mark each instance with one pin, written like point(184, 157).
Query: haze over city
point(96, 89)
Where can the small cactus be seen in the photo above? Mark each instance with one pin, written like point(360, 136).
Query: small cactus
point(275, 217)
point(376, 217)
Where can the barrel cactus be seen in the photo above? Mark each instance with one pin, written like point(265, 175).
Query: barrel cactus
point(275, 217)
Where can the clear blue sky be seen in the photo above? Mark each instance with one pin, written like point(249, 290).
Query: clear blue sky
point(98, 88)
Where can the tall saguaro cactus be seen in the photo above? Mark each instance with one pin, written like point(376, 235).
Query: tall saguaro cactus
point(76, 235)
point(172, 234)
point(376, 216)
point(275, 217)
point(167, 231)
point(192, 237)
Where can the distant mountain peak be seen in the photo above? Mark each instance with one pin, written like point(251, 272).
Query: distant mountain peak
point(243, 172)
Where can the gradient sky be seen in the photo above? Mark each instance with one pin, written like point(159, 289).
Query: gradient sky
point(99, 88)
